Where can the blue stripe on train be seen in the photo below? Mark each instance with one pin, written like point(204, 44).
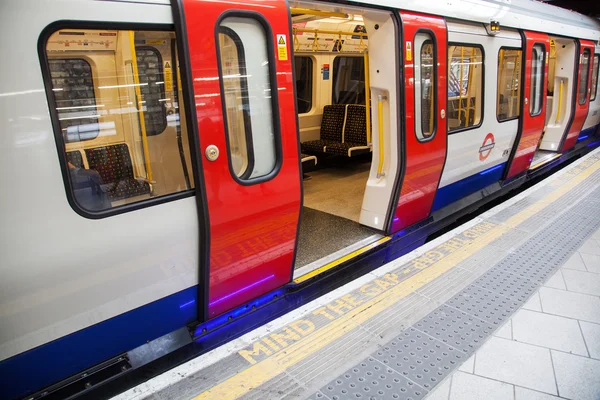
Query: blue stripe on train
point(61, 358)
point(455, 191)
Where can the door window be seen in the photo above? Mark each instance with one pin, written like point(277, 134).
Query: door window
point(537, 80)
point(583, 76)
point(425, 89)
point(248, 93)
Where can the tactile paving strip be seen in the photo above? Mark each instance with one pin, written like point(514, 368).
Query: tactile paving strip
point(410, 365)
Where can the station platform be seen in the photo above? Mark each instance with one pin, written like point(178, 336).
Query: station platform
point(506, 306)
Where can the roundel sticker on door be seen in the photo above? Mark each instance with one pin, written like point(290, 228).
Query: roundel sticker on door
point(486, 148)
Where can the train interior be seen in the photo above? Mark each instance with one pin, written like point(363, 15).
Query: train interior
point(332, 47)
point(117, 154)
point(561, 70)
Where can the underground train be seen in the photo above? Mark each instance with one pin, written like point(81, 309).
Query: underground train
point(172, 168)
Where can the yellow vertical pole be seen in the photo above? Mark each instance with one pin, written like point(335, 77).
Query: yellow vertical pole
point(460, 80)
point(381, 139)
point(469, 81)
point(367, 96)
point(138, 94)
point(560, 100)
point(500, 78)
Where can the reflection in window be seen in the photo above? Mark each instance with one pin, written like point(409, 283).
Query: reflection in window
point(149, 63)
point(594, 85)
point(101, 95)
point(508, 102)
point(348, 80)
point(304, 85)
point(75, 99)
point(425, 86)
point(537, 84)
point(247, 92)
point(584, 68)
point(465, 73)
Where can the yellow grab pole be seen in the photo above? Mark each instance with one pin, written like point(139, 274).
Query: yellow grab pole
point(560, 99)
point(469, 81)
point(380, 172)
point(138, 93)
point(367, 96)
point(329, 32)
point(460, 81)
point(308, 11)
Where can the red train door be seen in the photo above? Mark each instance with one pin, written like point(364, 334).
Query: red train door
point(582, 93)
point(533, 108)
point(241, 73)
point(425, 95)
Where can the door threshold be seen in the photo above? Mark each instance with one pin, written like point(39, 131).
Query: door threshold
point(334, 259)
point(544, 160)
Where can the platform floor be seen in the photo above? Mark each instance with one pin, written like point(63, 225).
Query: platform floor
point(501, 307)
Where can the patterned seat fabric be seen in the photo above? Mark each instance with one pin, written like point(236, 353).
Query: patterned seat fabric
point(75, 158)
point(113, 163)
point(356, 125)
point(332, 126)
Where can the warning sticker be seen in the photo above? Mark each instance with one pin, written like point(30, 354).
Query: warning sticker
point(168, 75)
point(408, 51)
point(281, 48)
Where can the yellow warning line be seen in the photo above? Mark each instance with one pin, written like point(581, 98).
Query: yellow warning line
point(341, 260)
point(259, 373)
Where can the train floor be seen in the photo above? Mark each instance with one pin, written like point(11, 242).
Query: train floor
point(506, 306)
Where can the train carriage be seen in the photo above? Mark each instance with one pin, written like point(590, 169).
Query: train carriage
point(172, 167)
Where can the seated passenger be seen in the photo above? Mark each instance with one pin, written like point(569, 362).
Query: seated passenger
point(87, 187)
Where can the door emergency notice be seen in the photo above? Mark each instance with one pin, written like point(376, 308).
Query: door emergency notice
point(281, 48)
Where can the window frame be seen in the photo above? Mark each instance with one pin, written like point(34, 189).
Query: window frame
point(338, 56)
point(312, 82)
point(521, 86)
point(587, 79)
point(595, 91)
point(270, 46)
point(481, 48)
point(418, 126)
point(161, 75)
point(45, 34)
point(543, 71)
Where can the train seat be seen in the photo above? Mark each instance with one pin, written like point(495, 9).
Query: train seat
point(75, 158)
point(308, 162)
point(354, 138)
point(332, 128)
point(113, 163)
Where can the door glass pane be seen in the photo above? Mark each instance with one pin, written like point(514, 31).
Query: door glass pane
point(247, 88)
point(594, 78)
point(508, 101)
point(425, 86)
point(537, 75)
point(118, 112)
point(465, 77)
point(584, 69)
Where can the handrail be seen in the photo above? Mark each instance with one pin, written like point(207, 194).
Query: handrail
point(308, 11)
point(139, 106)
point(328, 32)
point(560, 99)
point(368, 97)
point(380, 172)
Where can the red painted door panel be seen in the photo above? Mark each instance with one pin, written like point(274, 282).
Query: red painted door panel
point(581, 110)
point(533, 122)
point(424, 159)
point(253, 226)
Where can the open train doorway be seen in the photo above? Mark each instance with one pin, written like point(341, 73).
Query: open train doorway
point(346, 111)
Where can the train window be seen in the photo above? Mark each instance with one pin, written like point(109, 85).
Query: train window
point(348, 80)
point(425, 92)
point(584, 68)
point(304, 83)
point(594, 85)
point(76, 100)
point(247, 92)
point(537, 80)
point(102, 90)
point(465, 88)
point(150, 68)
point(508, 101)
